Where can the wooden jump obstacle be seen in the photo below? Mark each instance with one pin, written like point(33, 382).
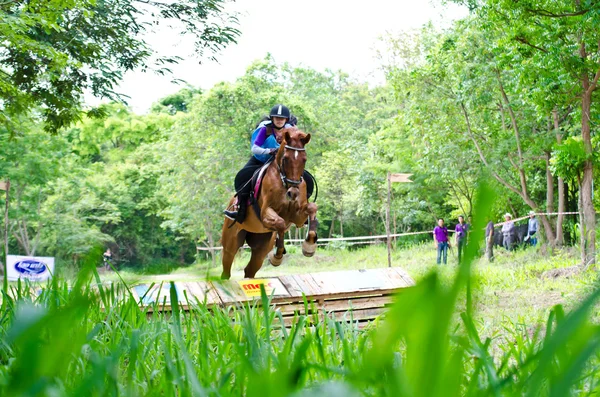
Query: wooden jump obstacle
point(360, 295)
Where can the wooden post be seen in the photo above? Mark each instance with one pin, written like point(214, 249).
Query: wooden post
point(387, 218)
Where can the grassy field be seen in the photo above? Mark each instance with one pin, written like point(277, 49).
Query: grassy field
point(86, 339)
point(517, 288)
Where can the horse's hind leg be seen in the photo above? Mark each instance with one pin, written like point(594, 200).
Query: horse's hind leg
point(232, 239)
point(309, 245)
point(261, 244)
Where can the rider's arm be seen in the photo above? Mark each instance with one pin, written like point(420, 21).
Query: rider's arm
point(259, 141)
point(257, 150)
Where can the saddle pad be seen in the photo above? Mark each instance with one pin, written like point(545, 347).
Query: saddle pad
point(259, 176)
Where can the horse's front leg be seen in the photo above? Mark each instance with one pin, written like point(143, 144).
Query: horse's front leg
point(273, 221)
point(309, 245)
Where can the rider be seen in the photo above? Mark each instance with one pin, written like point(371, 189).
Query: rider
point(265, 144)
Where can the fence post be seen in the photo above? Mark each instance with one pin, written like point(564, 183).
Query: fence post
point(387, 219)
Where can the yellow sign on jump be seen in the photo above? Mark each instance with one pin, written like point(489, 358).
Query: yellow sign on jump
point(272, 286)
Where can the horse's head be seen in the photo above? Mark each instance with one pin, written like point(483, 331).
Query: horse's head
point(291, 159)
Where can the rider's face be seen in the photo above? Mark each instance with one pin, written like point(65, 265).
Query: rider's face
point(278, 121)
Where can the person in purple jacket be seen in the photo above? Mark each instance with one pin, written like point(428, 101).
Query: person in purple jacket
point(440, 237)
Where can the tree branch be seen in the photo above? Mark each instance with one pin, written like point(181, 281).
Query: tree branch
point(546, 13)
point(594, 83)
point(482, 156)
point(523, 40)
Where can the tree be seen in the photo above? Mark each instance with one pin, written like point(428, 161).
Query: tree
point(563, 38)
point(31, 162)
point(181, 101)
point(53, 51)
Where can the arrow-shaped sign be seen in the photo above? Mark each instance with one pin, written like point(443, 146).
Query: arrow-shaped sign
point(401, 178)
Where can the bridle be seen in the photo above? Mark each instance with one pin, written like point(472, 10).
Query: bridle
point(284, 179)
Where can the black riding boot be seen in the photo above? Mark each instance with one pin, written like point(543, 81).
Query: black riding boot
point(240, 214)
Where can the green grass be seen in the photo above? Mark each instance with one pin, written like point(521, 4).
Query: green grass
point(87, 339)
point(95, 341)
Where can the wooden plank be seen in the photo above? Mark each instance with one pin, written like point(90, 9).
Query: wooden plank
point(292, 308)
point(404, 274)
point(390, 278)
point(316, 288)
point(357, 303)
point(202, 292)
point(350, 281)
point(289, 281)
point(305, 285)
point(354, 316)
point(357, 315)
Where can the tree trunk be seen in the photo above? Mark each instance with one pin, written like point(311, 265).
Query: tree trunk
point(395, 231)
point(332, 227)
point(560, 240)
point(549, 185)
point(589, 215)
point(342, 220)
point(581, 228)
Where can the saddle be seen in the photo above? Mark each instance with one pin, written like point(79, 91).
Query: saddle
point(255, 184)
point(257, 180)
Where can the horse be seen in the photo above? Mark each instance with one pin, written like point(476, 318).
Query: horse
point(282, 200)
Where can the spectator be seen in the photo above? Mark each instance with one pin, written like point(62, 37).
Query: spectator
point(107, 256)
point(440, 237)
point(508, 231)
point(489, 241)
point(532, 228)
point(461, 236)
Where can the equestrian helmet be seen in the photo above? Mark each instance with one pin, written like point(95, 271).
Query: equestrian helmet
point(280, 110)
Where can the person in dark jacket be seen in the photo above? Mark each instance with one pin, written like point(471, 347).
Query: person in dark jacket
point(489, 241)
point(460, 235)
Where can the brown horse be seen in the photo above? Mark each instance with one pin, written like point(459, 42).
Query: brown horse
point(282, 201)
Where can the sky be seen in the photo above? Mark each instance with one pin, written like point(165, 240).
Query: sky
point(320, 34)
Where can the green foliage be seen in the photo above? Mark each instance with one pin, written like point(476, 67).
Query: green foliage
point(53, 51)
point(568, 159)
point(178, 102)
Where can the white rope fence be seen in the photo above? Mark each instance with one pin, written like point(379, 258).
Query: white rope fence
point(368, 239)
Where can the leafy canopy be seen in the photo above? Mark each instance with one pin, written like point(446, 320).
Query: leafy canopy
point(54, 51)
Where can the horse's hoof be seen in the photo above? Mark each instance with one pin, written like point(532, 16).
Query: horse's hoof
point(308, 249)
point(273, 260)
